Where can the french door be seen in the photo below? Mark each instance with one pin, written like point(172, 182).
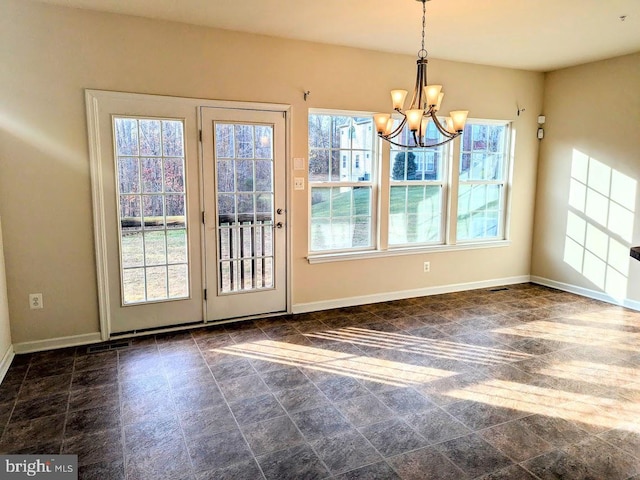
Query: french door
point(183, 238)
point(244, 154)
point(145, 182)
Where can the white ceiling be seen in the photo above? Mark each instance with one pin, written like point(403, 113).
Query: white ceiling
point(540, 35)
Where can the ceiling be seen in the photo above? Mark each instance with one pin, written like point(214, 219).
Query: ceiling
point(540, 35)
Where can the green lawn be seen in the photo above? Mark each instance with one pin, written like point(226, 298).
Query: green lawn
point(151, 245)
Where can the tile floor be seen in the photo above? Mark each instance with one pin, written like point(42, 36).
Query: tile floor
point(520, 383)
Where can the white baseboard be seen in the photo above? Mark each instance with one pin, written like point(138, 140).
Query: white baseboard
point(399, 295)
point(586, 292)
point(54, 343)
point(5, 363)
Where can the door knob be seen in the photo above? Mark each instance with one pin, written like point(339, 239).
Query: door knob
point(279, 211)
point(279, 225)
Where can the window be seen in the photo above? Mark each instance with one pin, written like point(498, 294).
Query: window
point(346, 171)
point(151, 191)
point(342, 193)
point(482, 181)
point(416, 193)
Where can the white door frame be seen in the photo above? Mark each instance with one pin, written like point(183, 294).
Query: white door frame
point(93, 99)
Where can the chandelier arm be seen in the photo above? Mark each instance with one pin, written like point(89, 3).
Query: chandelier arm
point(416, 138)
point(396, 143)
point(440, 128)
point(432, 145)
point(422, 81)
point(420, 145)
point(397, 131)
point(416, 90)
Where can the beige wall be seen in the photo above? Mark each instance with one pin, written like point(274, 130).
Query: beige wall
point(593, 115)
point(5, 330)
point(50, 54)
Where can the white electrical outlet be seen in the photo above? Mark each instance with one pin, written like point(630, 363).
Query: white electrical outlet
point(35, 301)
point(427, 267)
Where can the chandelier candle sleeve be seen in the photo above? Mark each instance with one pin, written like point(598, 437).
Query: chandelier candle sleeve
point(433, 95)
point(397, 98)
point(459, 118)
point(414, 119)
point(425, 104)
point(381, 120)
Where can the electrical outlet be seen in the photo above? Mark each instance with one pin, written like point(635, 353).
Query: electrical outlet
point(298, 183)
point(427, 267)
point(35, 301)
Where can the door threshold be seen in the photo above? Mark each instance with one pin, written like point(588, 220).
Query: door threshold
point(192, 325)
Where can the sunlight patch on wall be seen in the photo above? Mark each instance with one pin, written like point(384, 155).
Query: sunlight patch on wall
point(41, 141)
point(600, 224)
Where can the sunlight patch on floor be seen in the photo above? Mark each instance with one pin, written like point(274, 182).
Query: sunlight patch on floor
point(459, 351)
point(581, 408)
point(543, 399)
point(321, 359)
point(578, 334)
point(595, 373)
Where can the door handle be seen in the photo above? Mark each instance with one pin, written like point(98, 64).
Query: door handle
point(279, 225)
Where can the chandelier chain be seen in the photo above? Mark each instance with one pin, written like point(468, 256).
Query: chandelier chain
point(423, 52)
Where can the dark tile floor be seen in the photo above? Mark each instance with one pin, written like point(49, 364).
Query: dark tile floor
point(521, 383)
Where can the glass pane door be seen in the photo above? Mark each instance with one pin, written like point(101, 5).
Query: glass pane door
point(245, 233)
point(244, 161)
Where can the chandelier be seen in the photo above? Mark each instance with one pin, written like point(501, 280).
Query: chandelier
point(424, 107)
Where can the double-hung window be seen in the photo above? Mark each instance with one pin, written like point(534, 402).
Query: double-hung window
point(482, 181)
point(341, 171)
point(350, 194)
point(417, 192)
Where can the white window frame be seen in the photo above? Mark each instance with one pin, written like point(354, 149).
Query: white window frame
point(372, 183)
point(381, 171)
point(443, 183)
point(505, 183)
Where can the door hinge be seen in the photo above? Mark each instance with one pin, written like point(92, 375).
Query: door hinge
point(200, 135)
point(203, 218)
point(205, 293)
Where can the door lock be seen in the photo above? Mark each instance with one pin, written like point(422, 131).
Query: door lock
point(279, 211)
point(279, 225)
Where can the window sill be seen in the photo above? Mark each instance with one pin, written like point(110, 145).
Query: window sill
point(345, 256)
